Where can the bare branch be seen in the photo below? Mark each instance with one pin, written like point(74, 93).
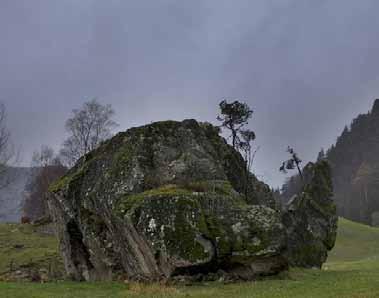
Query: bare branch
point(88, 127)
point(8, 153)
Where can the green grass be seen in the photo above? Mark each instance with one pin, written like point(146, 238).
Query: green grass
point(355, 242)
point(352, 271)
point(24, 246)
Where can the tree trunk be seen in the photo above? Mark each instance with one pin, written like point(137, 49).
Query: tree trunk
point(300, 172)
point(234, 136)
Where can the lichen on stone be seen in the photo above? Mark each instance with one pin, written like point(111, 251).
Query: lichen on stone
point(311, 219)
point(166, 199)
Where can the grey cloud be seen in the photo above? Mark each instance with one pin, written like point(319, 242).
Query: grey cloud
point(306, 67)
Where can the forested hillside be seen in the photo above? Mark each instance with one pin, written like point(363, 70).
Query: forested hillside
point(355, 162)
point(355, 165)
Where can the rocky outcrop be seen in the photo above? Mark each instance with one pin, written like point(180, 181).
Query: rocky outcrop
point(166, 200)
point(310, 219)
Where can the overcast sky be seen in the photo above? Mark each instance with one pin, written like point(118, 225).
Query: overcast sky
point(306, 67)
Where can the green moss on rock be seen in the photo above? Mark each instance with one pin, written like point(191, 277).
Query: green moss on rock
point(311, 219)
point(161, 197)
point(204, 227)
point(173, 223)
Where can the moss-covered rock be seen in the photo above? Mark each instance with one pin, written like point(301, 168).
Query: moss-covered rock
point(171, 198)
point(311, 220)
point(190, 231)
point(162, 200)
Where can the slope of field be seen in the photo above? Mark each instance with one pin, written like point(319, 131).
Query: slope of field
point(355, 242)
point(352, 271)
point(27, 248)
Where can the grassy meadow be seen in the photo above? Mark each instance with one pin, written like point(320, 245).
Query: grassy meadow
point(352, 271)
point(27, 247)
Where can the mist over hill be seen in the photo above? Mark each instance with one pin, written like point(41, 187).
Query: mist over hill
point(354, 160)
point(13, 193)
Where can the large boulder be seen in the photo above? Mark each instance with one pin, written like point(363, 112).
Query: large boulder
point(164, 200)
point(310, 219)
point(173, 199)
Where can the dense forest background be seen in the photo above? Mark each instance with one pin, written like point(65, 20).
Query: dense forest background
point(355, 164)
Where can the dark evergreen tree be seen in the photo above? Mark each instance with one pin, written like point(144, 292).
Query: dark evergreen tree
point(234, 116)
point(354, 161)
point(321, 155)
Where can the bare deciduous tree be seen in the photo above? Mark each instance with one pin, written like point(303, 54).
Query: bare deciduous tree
point(88, 127)
point(8, 154)
point(44, 157)
point(48, 169)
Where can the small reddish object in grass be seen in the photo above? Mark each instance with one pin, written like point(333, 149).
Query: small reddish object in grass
point(25, 220)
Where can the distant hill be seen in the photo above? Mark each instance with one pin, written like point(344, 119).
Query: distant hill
point(13, 193)
point(354, 160)
point(355, 163)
